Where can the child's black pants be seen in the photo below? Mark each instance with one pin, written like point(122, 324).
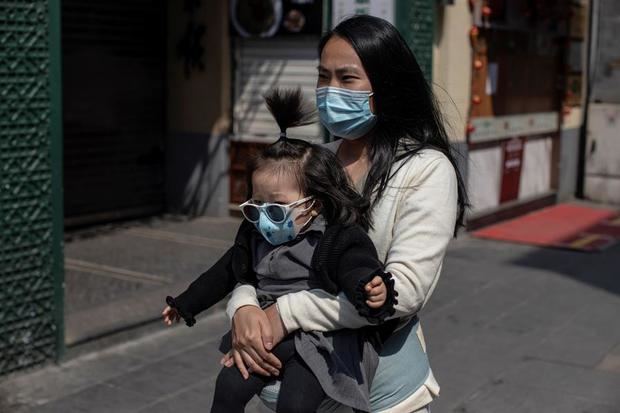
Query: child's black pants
point(299, 392)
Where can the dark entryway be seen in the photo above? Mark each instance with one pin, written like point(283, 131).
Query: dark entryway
point(114, 109)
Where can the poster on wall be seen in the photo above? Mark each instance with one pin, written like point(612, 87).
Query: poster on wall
point(341, 9)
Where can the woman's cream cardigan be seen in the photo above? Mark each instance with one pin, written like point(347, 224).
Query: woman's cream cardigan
point(412, 225)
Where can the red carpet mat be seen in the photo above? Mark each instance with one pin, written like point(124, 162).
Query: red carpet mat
point(564, 226)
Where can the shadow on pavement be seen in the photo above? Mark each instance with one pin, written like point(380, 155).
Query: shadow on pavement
point(598, 269)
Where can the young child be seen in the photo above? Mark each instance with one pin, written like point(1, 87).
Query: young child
point(305, 227)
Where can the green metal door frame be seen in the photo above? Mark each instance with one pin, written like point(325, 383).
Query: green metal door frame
point(31, 200)
point(415, 20)
point(56, 155)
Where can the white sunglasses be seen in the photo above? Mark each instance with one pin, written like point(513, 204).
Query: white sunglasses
point(277, 213)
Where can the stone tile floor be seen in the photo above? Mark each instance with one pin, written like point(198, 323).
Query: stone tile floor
point(510, 328)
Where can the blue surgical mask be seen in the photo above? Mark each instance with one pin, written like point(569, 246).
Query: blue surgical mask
point(279, 233)
point(345, 113)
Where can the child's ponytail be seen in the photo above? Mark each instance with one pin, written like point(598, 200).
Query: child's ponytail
point(289, 108)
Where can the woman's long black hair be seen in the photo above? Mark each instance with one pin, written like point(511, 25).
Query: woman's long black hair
point(408, 116)
point(316, 169)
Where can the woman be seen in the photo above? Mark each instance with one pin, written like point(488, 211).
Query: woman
point(372, 94)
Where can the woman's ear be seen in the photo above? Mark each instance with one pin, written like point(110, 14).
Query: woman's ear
point(371, 102)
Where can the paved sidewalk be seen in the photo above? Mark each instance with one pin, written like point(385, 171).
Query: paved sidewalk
point(116, 275)
point(510, 328)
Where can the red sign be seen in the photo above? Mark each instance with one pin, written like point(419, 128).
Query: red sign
point(511, 169)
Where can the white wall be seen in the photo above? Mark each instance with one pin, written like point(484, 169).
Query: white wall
point(198, 115)
point(602, 181)
point(536, 168)
point(452, 62)
point(484, 179)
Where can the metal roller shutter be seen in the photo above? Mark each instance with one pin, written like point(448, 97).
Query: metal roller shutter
point(266, 63)
point(113, 74)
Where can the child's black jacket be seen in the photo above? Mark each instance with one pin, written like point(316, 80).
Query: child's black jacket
point(344, 260)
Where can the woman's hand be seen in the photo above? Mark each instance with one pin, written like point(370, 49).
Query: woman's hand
point(252, 341)
point(237, 358)
point(277, 326)
point(171, 315)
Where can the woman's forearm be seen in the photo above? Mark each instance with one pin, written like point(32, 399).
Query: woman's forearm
point(317, 310)
point(314, 310)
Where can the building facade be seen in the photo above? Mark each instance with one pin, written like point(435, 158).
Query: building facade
point(522, 107)
point(161, 105)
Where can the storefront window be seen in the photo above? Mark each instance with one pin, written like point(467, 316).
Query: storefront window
point(518, 57)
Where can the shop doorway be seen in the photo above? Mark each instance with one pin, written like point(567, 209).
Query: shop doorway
point(113, 109)
point(114, 68)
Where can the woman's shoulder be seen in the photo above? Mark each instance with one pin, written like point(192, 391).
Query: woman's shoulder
point(425, 157)
point(427, 162)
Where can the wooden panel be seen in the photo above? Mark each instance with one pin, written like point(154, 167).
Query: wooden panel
point(240, 154)
point(525, 75)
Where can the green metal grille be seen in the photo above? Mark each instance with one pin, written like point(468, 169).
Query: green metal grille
point(415, 20)
point(30, 247)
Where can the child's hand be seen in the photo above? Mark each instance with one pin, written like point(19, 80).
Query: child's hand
point(376, 292)
point(228, 359)
point(171, 315)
